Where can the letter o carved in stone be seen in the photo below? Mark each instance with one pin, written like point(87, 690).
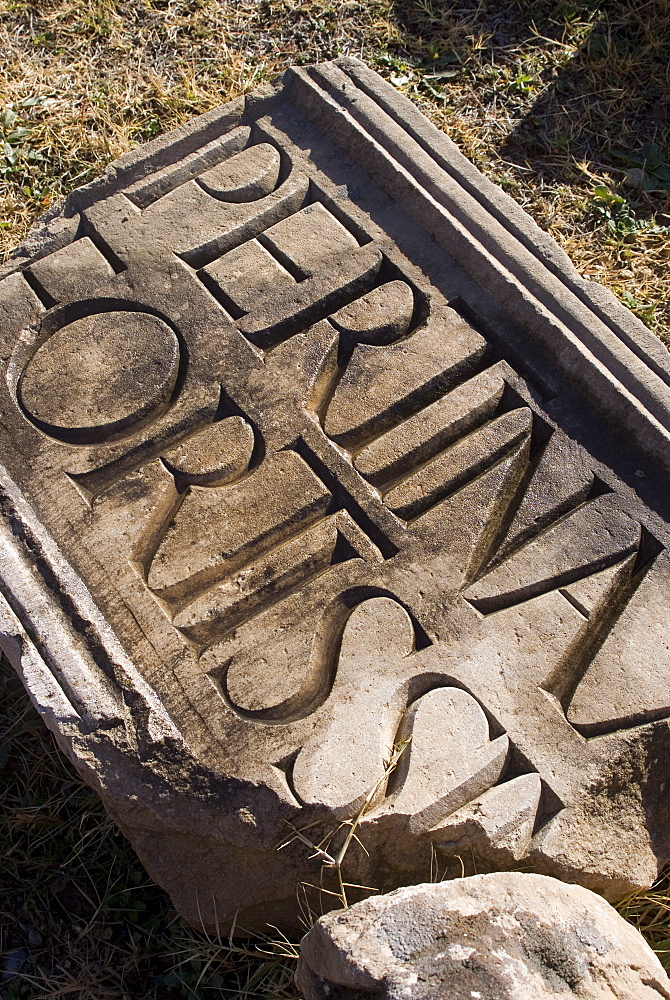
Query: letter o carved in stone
point(100, 376)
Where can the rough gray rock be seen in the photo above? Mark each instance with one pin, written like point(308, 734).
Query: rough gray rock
point(506, 936)
point(312, 444)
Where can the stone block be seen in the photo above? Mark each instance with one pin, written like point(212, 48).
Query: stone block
point(316, 455)
point(503, 936)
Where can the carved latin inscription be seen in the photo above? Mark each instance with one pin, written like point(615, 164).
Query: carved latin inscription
point(326, 514)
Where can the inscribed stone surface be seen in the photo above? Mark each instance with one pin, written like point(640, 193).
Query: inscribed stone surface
point(313, 445)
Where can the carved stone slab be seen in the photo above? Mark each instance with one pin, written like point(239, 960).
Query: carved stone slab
point(314, 445)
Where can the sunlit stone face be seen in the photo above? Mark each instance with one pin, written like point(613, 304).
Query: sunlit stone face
point(299, 487)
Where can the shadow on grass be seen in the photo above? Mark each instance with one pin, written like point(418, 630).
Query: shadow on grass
point(581, 82)
point(79, 916)
point(567, 106)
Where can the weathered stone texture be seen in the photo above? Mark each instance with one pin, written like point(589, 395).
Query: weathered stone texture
point(505, 936)
point(312, 443)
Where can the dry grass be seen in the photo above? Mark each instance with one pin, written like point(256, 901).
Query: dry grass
point(79, 918)
point(565, 104)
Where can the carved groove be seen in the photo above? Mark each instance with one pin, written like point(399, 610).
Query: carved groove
point(93, 484)
point(231, 181)
point(429, 484)
point(281, 204)
point(47, 300)
point(489, 605)
point(345, 501)
point(158, 184)
point(410, 445)
point(318, 683)
point(312, 556)
point(567, 675)
point(405, 407)
point(181, 595)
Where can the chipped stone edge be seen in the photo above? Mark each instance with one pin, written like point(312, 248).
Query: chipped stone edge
point(42, 589)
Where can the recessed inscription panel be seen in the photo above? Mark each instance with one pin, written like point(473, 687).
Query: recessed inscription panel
point(291, 451)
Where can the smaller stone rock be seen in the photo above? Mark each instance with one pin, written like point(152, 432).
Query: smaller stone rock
point(505, 936)
point(634, 178)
